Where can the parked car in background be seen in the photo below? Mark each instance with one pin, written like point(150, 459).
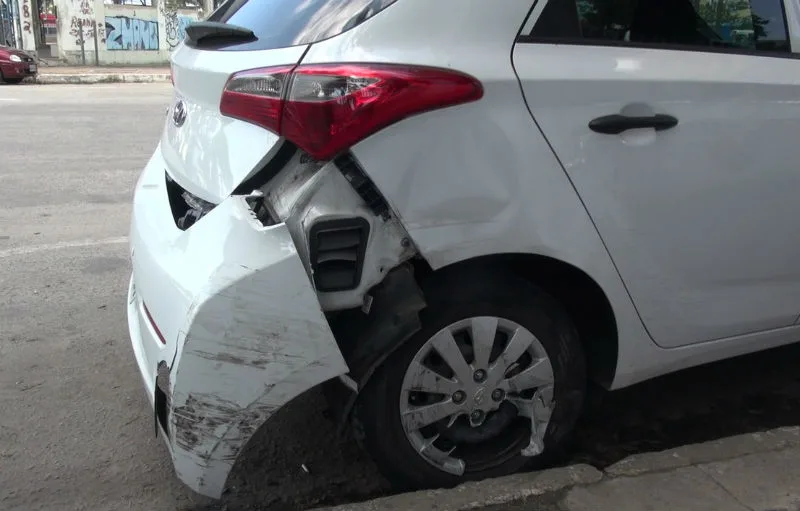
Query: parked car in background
point(16, 65)
point(454, 214)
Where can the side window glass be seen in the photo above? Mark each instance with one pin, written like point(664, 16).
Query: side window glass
point(770, 28)
point(755, 25)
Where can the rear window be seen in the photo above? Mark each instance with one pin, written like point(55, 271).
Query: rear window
point(282, 23)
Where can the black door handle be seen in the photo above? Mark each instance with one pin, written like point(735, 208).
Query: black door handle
point(616, 124)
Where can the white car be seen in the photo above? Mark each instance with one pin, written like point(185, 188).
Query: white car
point(454, 215)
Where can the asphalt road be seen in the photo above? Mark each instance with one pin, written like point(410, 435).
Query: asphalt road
point(75, 428)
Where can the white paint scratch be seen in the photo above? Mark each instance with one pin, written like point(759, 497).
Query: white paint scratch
point(60, 245)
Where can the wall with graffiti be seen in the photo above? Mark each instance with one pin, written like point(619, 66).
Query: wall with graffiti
point(26, 13)
point(141, 33)
point(131, 34)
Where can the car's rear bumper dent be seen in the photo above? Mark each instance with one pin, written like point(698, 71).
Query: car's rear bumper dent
point(253, 335)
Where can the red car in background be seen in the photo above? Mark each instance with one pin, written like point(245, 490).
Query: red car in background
point(15, 65)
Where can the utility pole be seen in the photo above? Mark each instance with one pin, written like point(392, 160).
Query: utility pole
point(80, 39)
point(3, 23)
point(96, 50)
point(15, 20)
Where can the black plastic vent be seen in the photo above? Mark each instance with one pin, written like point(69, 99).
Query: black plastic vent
point(363, 185)
point(337, 249)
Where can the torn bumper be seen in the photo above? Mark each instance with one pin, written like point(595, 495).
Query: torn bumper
point(223, 318)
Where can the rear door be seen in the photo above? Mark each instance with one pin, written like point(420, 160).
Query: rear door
point(677, 121)
point(207, 153)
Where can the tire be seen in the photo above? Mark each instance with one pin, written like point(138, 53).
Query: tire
point(10, 81)
point(452, 299)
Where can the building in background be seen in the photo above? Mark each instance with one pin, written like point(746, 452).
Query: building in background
point(8, 24)
point(108, 32)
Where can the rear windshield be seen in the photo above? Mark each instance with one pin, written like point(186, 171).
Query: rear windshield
point(282, 23)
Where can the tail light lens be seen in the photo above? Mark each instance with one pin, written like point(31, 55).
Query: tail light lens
point(256, 96)
point(325, 109)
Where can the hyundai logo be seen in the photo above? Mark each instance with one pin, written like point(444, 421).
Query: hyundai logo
point(179, 113)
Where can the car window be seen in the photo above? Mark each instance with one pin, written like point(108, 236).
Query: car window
point(752, 25)
point(282, 23)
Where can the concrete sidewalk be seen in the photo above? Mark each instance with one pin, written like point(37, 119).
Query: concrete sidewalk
point(83, 75)
point(753, 472)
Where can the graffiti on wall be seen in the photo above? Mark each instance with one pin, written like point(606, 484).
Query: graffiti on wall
point(26, 16)
point(183, 22)
point(87, 26)
point(83, 25)
point(174, 24)
point(124, 33)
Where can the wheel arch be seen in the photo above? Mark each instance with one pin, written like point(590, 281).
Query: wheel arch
point(585, 301)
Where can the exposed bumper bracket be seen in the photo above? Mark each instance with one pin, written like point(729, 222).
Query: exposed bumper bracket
point(367, 342)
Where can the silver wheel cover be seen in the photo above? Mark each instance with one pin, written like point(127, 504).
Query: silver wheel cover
point(477, 388)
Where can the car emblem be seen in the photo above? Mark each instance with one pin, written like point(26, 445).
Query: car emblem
point(479, 396)
point(179, 113)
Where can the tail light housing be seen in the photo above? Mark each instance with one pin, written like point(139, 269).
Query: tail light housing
point(327, 108)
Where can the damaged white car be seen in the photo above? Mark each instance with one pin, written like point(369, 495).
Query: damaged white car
point(455, 214)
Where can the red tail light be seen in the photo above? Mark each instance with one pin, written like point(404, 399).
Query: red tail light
point(326, 108)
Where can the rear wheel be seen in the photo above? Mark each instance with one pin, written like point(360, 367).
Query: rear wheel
point(492, 382)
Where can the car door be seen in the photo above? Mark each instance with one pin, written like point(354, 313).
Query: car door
point(678, 123)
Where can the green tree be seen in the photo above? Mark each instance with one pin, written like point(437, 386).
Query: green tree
point(733, 13)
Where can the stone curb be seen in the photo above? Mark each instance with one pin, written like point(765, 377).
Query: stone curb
point(506, 490)
point(708, 452)
point(102, 78)
point(490, 492)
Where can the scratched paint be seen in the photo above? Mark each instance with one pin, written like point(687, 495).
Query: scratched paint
point(252, 337)
point(131, 34)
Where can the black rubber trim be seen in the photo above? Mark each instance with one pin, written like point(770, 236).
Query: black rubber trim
point(340, 224)
point(362, 184)
point(528, 39)
point(271, 169)
point(573, 41)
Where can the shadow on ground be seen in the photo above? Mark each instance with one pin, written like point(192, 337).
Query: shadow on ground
point(743, 395)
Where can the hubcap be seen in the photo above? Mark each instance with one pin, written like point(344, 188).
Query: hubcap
point(479, 374)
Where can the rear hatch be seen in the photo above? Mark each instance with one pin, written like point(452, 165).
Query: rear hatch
point(208, 153)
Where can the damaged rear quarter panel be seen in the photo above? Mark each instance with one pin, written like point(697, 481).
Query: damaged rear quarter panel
point(256, 339)
point(307, 192)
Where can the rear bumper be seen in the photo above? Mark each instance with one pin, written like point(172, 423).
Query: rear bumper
point(242, 329)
